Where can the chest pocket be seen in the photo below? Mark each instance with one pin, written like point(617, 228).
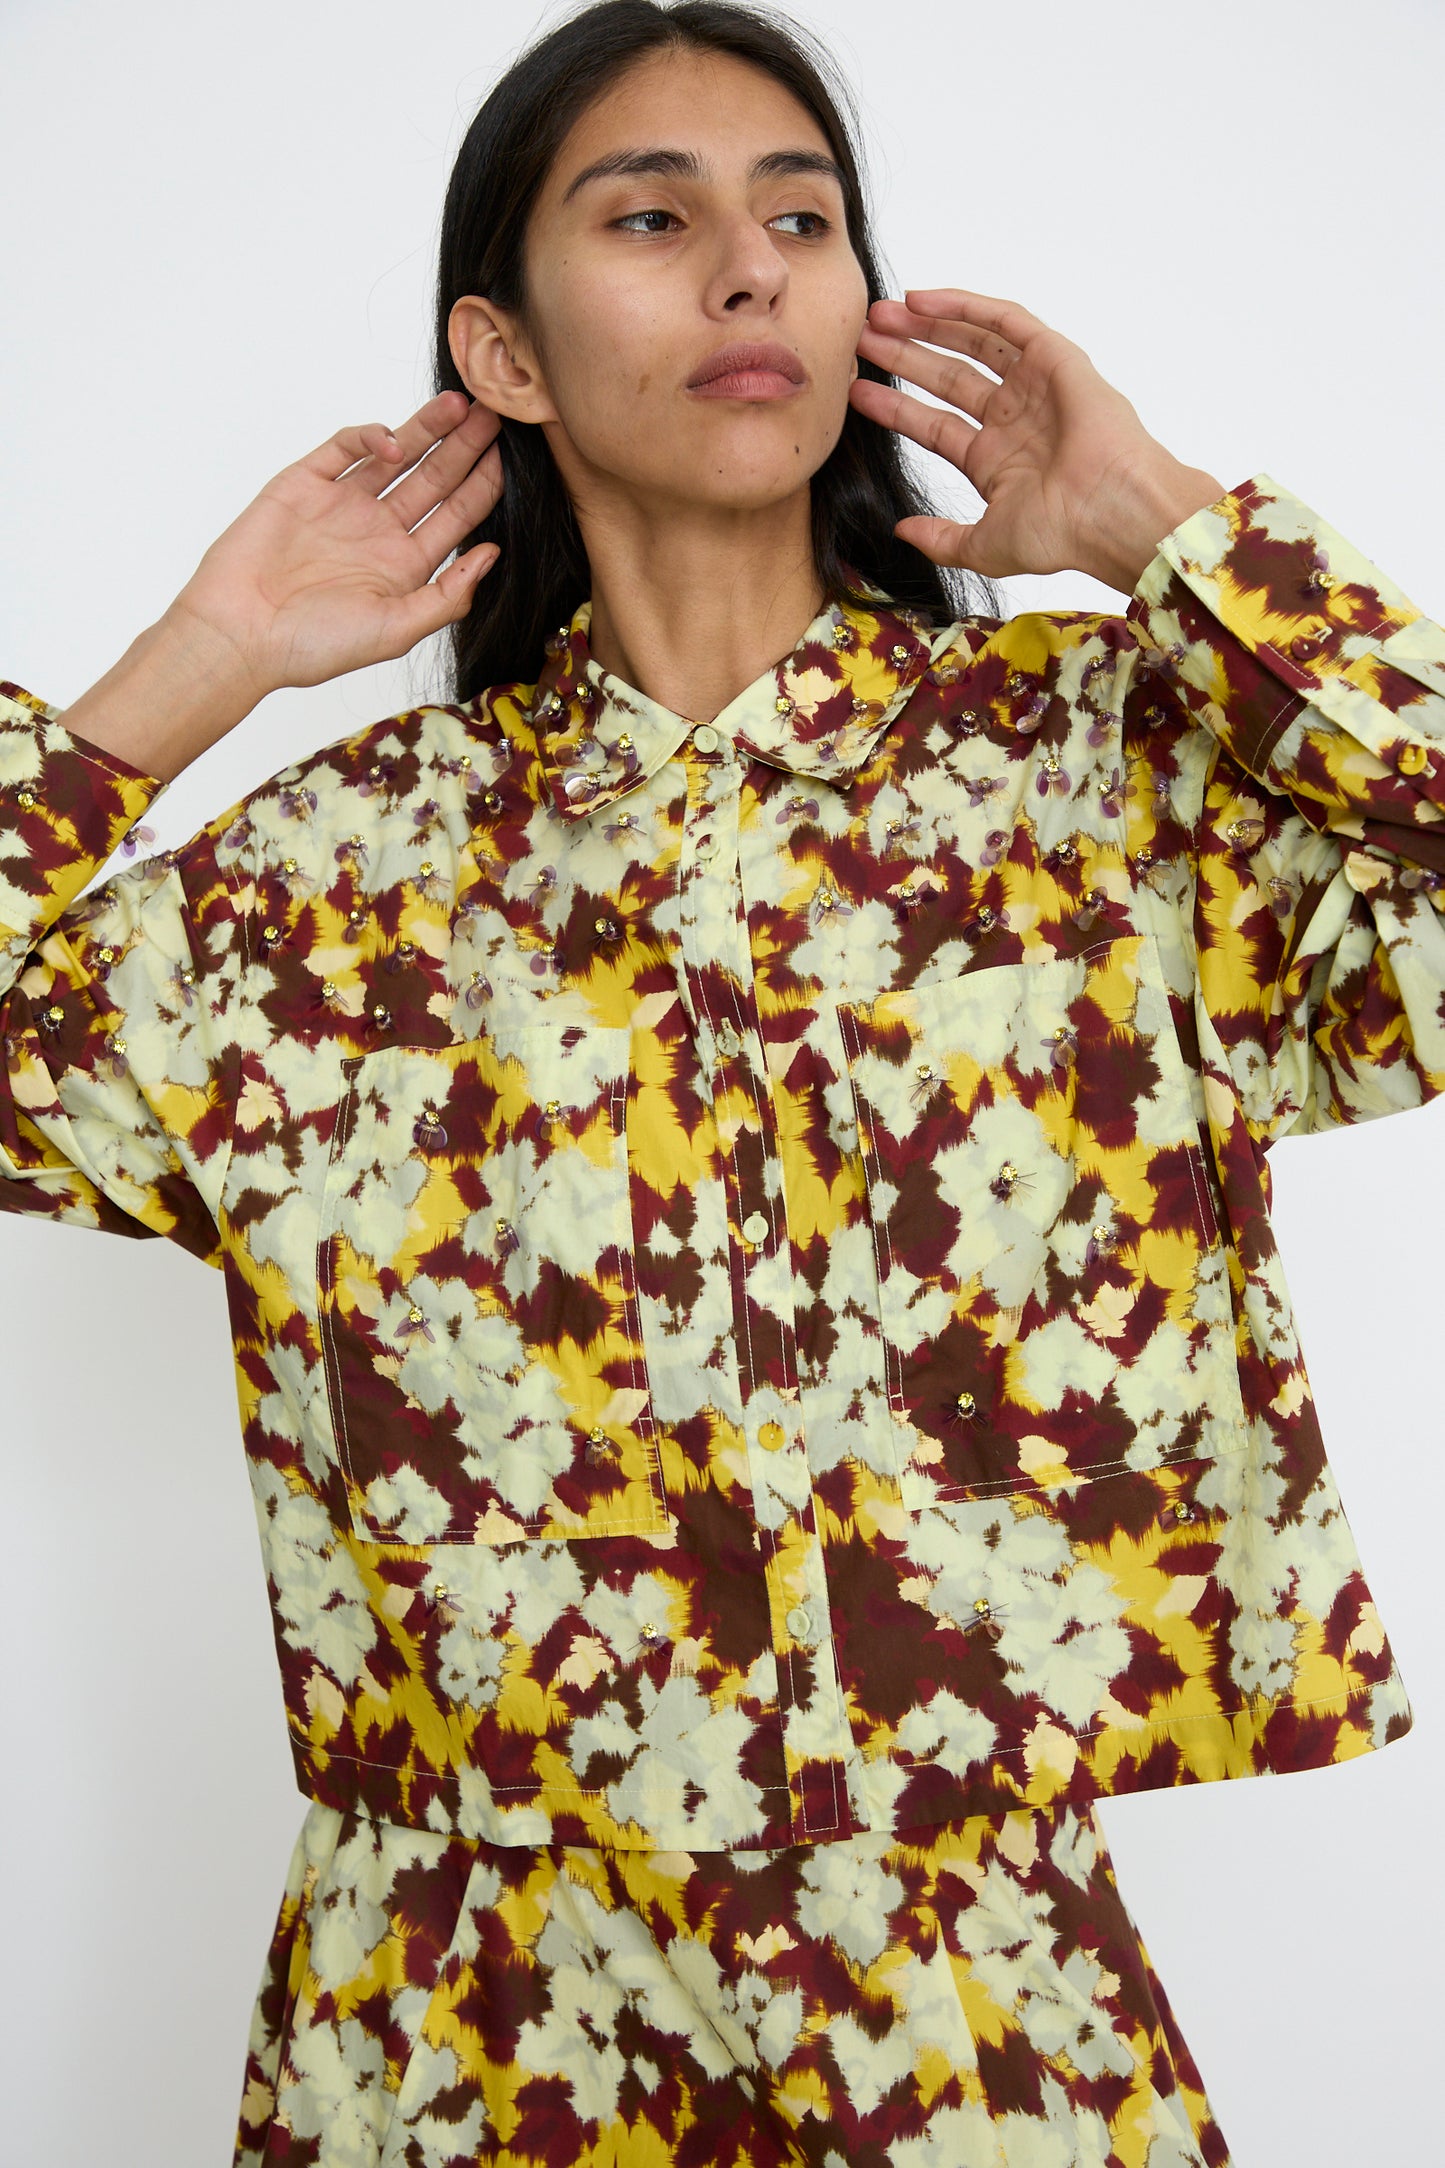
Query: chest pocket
point(1053, 1288)
point(477, 1297)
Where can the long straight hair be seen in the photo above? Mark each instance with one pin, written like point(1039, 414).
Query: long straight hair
point(860, 490)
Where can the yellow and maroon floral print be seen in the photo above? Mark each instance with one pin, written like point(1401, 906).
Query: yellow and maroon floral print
point(976, 1997)
point(755, 1312)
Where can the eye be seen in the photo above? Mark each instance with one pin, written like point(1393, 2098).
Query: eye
point(821, 224)
point(627, 221)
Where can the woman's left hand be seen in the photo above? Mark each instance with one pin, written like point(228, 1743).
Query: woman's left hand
point(1070, 476)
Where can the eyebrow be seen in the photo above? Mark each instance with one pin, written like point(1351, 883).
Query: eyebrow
point(687, 166)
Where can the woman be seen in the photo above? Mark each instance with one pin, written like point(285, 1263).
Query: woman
point(736, 1145)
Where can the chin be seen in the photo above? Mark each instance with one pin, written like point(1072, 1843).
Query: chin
point(750, 475)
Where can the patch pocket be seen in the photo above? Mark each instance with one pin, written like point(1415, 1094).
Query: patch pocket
point(1053, 1290)
point(477, 1294)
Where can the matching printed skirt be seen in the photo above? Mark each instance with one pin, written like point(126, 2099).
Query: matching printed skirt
point(979, 1998)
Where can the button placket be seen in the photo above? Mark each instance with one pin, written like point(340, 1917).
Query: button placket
point(716, 954)
point(710, 830)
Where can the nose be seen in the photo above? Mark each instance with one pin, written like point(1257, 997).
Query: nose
point(749, 267)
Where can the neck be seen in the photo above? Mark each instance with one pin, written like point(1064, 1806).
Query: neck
point(692, 604)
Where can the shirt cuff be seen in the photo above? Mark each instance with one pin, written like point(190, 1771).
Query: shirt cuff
point(65, 805)
point(1301, 656)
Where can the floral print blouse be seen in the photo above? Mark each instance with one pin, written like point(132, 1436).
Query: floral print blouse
point(747, 1243)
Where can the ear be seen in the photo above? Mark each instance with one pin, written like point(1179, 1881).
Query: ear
point(494, 361)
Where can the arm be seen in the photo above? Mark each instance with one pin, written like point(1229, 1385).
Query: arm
point(1317, 855)
point(119, 1008)
point(1320, 888)
point(118, 1053)
point(328, 569)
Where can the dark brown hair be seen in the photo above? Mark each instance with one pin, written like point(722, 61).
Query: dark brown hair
point(860, 490)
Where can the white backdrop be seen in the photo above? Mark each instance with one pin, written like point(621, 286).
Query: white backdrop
point(216, 248)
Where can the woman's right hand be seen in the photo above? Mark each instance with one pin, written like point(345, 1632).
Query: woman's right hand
point(323, 574)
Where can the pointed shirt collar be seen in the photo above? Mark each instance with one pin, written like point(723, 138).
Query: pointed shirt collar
point(817, 712)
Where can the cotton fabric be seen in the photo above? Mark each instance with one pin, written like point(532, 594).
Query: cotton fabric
point(748, 1251)
point(970, 1998)
point(759, 1343)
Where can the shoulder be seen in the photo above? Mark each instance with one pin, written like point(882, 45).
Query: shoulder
point(420, 765)
point(1022, 665)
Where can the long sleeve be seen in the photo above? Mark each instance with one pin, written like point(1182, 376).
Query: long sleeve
point(1320, 843)
point(118, 1051)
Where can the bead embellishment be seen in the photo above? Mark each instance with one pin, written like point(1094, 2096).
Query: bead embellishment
point(490, 1273)
point(1062, 1043)
point(427, 1130)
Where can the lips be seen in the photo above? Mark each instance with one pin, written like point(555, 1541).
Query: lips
point(737, 359)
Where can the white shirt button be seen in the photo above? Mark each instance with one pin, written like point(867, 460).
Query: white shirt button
point(705, 738)
point(799, 1623)
point(755, 1228)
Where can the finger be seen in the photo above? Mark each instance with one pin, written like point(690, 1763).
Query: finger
point(370, 440)
point(458, 584)
point(993, 351)
point(437, 419)
point(956, 381)
point(1008, 319)
point(935, 428)
point(450, 459)
point(468, 505)
point(341, 453)
point(943, 541)
point(409, 618)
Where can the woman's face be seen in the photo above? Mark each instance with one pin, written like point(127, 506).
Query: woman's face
point(721, 223)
